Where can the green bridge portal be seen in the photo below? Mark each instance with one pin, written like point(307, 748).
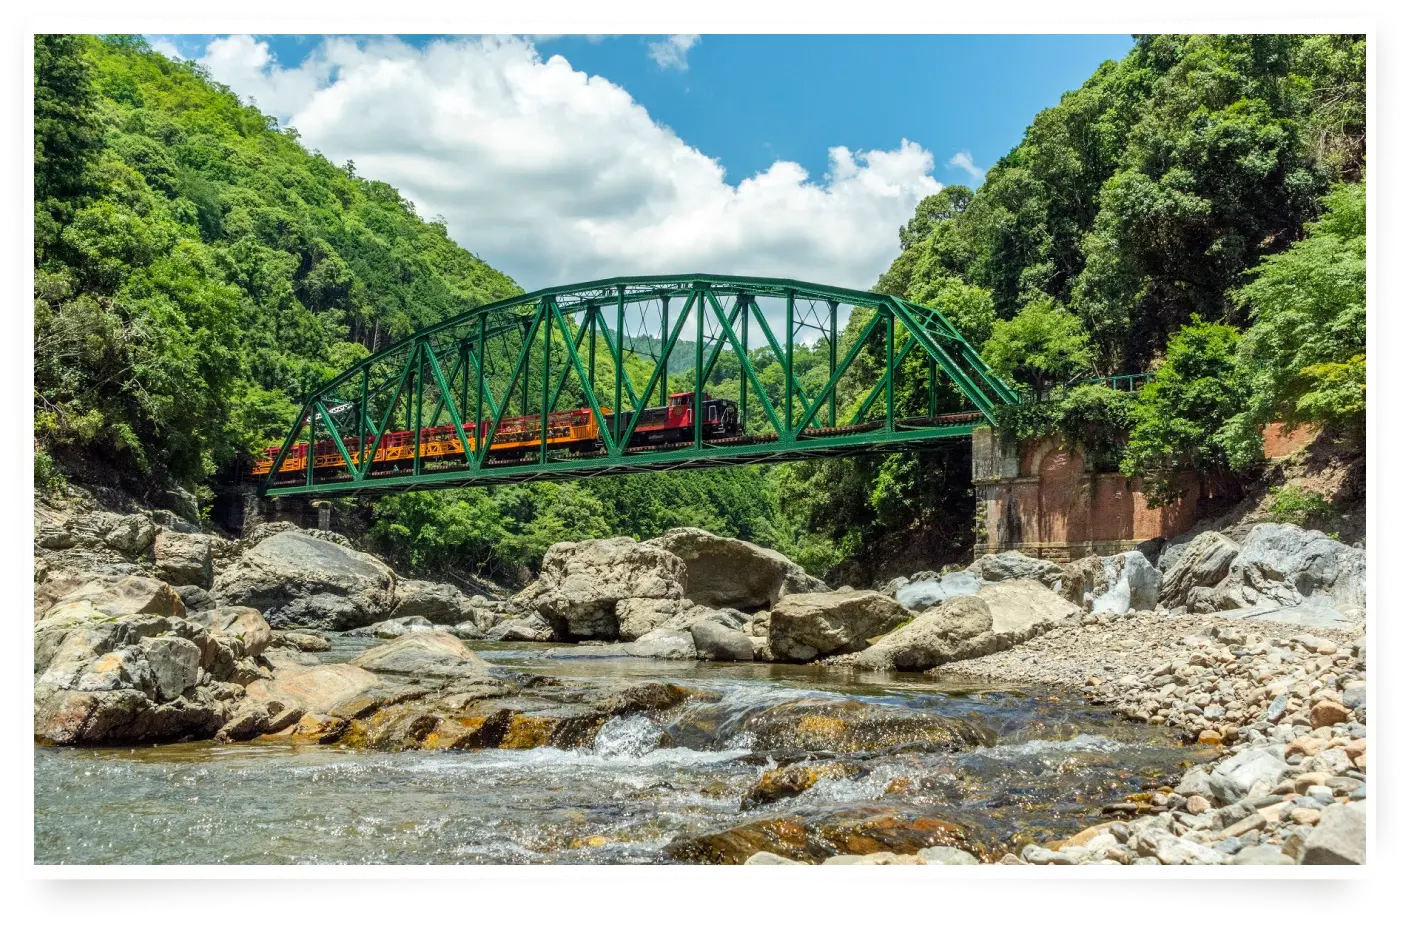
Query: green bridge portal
point(633, 375)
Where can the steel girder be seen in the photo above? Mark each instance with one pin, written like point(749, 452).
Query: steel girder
point(611, 347)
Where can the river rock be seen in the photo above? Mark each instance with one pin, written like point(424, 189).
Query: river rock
point(183, 559)
point(299, 580)
point(394, 627)
point(243, 630)
point(1203, 562)
point(580, 584)
point(139, 678)
point(131, 535)
point(1024, 609)
point(941, 634)
point(303, 642)
point(430, 654)
point(1010, 564)
point(195, 598)
point(723, 572)
point(1262, 855)
point(532, 628)
point(925, 593)
point(947, 855)
point(716, 642)
point(1132, 584)
point(437, 602)
point(663, 643)
point(834, 725)
point(129, 595)
point(314, 689)
point(1084, 580)
point(768, 858)
point(1287, 566)
point(790, 780)
point(862, 830)
point(1234, 777)
point(1340, 838)
point(805, 626)
point(636, 617)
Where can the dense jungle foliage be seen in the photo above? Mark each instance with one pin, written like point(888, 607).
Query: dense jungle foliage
point(1196, 209)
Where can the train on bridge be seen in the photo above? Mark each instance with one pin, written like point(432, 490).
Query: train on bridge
point(574, 431)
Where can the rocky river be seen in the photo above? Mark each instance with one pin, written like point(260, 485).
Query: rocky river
point(286, 698)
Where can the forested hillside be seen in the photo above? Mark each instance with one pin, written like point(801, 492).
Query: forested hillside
point(1196, 209)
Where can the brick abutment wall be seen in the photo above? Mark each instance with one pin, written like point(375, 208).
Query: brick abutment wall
point(1042, 498)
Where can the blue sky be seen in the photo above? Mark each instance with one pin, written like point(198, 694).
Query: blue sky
point(568, 158)
point(750, 100)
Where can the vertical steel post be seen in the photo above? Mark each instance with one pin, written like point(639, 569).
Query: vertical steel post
point(620, 368)
point(526, 336)
point(698, 374)
point(933, 388)
point(547, 365)
point(787, 369)
point(831, 400)
point(664, 354)
point(479, 389)
point(362, 420)
point(420, 362)
point(742, 378)
point(591, 346)
point(464, 380)
point(889, 370)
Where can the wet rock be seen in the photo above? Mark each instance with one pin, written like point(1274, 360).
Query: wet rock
point(129, 595)
point(299, 580)
point(805, 626)
point(1203, 563)
point(183, 559)
point(790, 780)
point(303, 642)
point(1340, 838)
point(393, 627)
point(580, 584)
point(853, 831)
point(430, 654)
point(722, 572)
point(1010, 564)
point(715, 642)
point(827, 725)
point(768, 858)
point(663, 643)
point(533, 628)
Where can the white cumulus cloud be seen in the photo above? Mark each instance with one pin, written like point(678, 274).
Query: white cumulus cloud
point(963, 160)
point(556, 176)
point(673, 51)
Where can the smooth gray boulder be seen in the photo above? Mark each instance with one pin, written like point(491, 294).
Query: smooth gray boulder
point(1340, 838)
point(663, 644)
point(719, 643)
point(437, 602)
point(1132, 584)
point(433, 654)
point(925, 593)
point(581, 584)
point(1281, 565)
point(299, 580)
point(532, 628)
point(394, 627)
point(804, 626)
point(723, 572)
point(1010, 564)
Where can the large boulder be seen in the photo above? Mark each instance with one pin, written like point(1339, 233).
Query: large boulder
point(1010, 564)
point(1253, 772)
point(392, 628)
point(663, 644)
point(1203, 562)
point(723, 572)
point(437, 602)
point(925, 593)
point(959, 628)
point(1284, 565)
point(129, 595)
point(183, 559)
point(434, 654)
point(805, 626)
point(313, 689)
point(582, 583)
point(1024, 609)
point(717, 642)
point(140, 678)
point(1131, 582)
point(299, 580)
point(243, 630)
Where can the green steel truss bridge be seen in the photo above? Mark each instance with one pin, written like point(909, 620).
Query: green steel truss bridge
point(617, 348)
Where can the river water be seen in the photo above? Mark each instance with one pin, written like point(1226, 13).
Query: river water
point(1056, 760)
